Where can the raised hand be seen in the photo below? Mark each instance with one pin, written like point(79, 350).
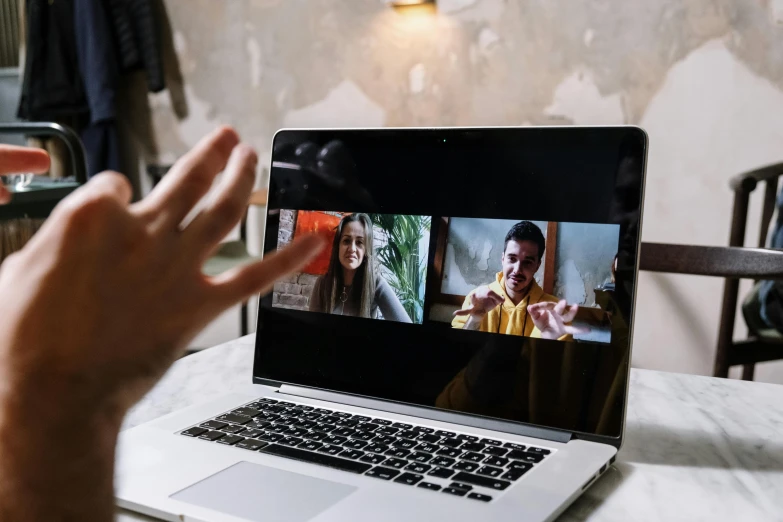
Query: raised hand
point(551, 318)
point(482, 301)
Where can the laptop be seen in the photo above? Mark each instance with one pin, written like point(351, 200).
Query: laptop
point(459, 352)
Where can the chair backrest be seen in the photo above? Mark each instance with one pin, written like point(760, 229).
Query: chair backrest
point(69, 137)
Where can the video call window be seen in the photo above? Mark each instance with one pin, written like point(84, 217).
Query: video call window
point(508, 276)
point(375, 266)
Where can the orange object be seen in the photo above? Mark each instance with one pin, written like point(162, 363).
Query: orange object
point(322, 223)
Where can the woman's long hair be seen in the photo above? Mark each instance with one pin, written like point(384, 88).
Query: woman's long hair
point(363, 280)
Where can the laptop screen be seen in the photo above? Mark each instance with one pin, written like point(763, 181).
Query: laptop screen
point(486, 272)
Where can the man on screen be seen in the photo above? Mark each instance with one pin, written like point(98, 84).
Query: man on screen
point(514, 304)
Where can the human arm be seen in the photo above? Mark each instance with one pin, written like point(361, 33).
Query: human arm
point(477, 305)
point(389, 303)
point(73, 357)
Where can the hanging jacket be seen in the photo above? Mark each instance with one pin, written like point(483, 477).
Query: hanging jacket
point(137, 37)
point(52, 88)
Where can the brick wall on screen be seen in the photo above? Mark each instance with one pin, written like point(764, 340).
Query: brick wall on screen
point(294, 291)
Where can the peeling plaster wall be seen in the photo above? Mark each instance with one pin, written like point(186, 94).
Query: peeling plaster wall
point(704, 77)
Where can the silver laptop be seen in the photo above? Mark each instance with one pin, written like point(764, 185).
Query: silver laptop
point(459, 352)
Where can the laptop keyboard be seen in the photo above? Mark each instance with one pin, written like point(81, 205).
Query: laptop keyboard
point(443, 461)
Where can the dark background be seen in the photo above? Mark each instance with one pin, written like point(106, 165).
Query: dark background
point(550, 174)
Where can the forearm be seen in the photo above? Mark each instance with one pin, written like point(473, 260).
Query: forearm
point(473, 322)
point(56, 456)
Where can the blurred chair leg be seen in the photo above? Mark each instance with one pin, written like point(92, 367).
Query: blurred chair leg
point(243, 313)
point(747, 371)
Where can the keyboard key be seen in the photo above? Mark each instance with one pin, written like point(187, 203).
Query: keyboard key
point(514, 474)
point(315, 435)
point(473, 446)
point(408, 434)
point(473, 457)
point(524, 456)
point(306, 424)
point(271, 437)
point(335, 440)
point(420, 457)
point(296, 432)
point(383, 439)
point(229, 440)
point(515, 464)
point(330, 449)
point(251, 444)
point(277, 428)
point(386, 430)
point(349, 423)
point(344, 432)
point(267, 400)
point(193, 432)
point(361, 418)
point(250, 412)
point(355, 444)
point(467, 438)
point(268, 417)
point(513, 446)
point(291, 441)
point(442, 461)
point(342, 414)
point(382, 473)
point(491, 442)
point(455, 491)
point(214, 425)
point(398, 452)
point(363, 435)
point(422, 429)
point(410, 479)
point(489, 471)
point(429, 485)
point(323, 411)
point(479, 496)
point(429, 438)
point(382, 422)
point(330, 419)
point(324, 427)
point(286, 404)
point(426, 446)
point(484, 482)
point(496, 461)
point(307, 408)
point(316, 458)
point(312, 416)
point(232, 428)
point(395, 463)
point(461, 485)
point(372, 458)
point(368, 426)
point(235, 419)
point(402, 425)
point(404, 444)
point(465, 465)
point(449, 452)
point(377, 448)
point(212, 435)
point(538, 451)
point(275, 409)
point(450, 442)
point(442, 433)
point(415, 467)
point(311, 445)
point(441, 472)
point(495, 451)
point(252, 433)
point(351, 454)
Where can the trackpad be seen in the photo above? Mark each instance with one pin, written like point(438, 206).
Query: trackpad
point(261, 493)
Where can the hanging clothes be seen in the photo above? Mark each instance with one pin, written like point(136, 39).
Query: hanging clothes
point(137, 34)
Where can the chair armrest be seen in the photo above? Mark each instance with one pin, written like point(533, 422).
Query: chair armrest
point(747, 181)
point(730, 262)
point(69, 137)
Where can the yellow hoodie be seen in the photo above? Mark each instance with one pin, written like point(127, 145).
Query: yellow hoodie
point(508, 318)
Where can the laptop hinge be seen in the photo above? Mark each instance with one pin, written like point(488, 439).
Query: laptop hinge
point(427, 413)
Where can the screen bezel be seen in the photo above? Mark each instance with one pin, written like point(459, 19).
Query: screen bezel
point(434, 134)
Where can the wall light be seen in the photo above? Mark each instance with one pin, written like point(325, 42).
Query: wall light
point(406, 3)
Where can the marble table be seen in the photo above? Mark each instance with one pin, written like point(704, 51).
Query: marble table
point(697, 448)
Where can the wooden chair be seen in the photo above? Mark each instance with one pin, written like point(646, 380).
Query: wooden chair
point(732, 263)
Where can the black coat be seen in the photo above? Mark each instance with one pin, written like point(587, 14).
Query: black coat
point(138, 39)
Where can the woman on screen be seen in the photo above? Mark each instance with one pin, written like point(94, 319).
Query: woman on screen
point(350, 285)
